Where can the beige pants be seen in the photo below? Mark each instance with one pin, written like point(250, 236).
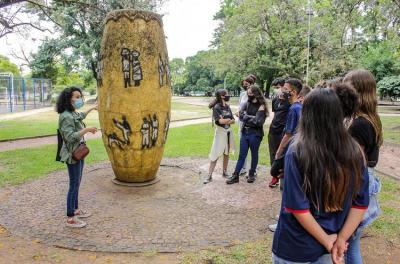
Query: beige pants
point(220, 144)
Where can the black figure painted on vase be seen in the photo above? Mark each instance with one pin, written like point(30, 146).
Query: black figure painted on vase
point(161, 70)
point(99, 70)
point(168, 72)
point(154, 126)
point(125, 128)
point(137, 68)
point(126, 66)
point(113, 138)
point(145, 133)
point(166, 128)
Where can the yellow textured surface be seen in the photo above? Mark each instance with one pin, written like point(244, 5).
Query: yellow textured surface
point(134, 30)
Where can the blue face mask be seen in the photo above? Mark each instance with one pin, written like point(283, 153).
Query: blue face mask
point(78, 103)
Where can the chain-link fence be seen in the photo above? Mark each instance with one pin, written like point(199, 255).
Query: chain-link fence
point(20, 94)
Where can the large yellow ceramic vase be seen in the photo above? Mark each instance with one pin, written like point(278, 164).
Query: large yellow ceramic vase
point(134, 88)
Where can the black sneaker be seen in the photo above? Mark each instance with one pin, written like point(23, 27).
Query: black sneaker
point(252, 177)
point(233, 179)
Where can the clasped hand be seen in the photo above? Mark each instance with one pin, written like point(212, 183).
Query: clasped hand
point(337, 247)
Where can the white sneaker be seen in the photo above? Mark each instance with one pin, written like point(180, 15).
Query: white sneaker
point(272, 228)
point(82, 214)
point(74, 222)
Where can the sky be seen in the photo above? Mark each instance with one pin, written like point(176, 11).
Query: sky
point(188, 26)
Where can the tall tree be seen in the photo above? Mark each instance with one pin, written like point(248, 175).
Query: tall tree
point(7, 66)
point(179, 75)
point(269, 37)
point(79, 23)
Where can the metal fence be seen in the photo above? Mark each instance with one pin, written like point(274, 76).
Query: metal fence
point(20, 94)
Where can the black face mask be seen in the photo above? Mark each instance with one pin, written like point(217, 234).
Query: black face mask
point(251, 98)
point(227, 97)
point(286, 95)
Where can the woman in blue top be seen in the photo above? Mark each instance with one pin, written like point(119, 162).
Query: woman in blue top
point(325, 189)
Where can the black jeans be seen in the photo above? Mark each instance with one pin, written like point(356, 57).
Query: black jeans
point(75, 176)
point(273, 143)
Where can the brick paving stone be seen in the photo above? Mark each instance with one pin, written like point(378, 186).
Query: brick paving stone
point(178, 213)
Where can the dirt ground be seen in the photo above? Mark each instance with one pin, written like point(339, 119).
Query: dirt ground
point(16, 250)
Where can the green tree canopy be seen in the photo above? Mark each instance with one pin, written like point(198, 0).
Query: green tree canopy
point(7, 66)
point(389, 87)
point(269, 37)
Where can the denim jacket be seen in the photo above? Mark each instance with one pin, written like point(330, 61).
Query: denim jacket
point(69, 124)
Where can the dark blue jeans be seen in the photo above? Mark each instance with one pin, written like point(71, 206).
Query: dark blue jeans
point(75, 176)
point(249, 139)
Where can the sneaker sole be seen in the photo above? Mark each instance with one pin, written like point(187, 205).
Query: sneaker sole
point(76, 226)
point(232, 182)
point(83, 216)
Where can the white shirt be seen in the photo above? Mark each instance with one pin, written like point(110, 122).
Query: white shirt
point(243, 98)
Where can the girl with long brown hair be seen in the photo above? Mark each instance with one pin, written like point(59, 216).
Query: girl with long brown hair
point(253, 116)
point(243, 99)
point(366, 129)
point(326, 185)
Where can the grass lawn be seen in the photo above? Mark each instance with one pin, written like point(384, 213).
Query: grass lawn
point(244, 253)
point(18, 166)
point(389, 109)
point(46, 123)
point(388, 223)
point(391, 129)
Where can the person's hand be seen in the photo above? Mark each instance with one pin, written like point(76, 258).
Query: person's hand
point(232, 121)
point(95, 107)
point(330, 241)
point(262, 108)
point(92, 130)
point(237, 114)
point(338, 250)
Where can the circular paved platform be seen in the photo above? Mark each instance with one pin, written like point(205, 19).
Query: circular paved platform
point(178, 213)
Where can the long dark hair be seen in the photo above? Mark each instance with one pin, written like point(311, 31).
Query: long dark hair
point(255, 89)
point(218, 100)
point(348, 99)
point(326, 153)
point(364, 83)
point(64, 100)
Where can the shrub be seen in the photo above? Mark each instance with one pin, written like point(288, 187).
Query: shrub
point(389, 87)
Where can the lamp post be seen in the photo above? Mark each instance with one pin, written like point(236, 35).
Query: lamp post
point(309, 13)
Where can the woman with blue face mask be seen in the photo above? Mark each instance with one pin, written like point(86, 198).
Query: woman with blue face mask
point(72, 131)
